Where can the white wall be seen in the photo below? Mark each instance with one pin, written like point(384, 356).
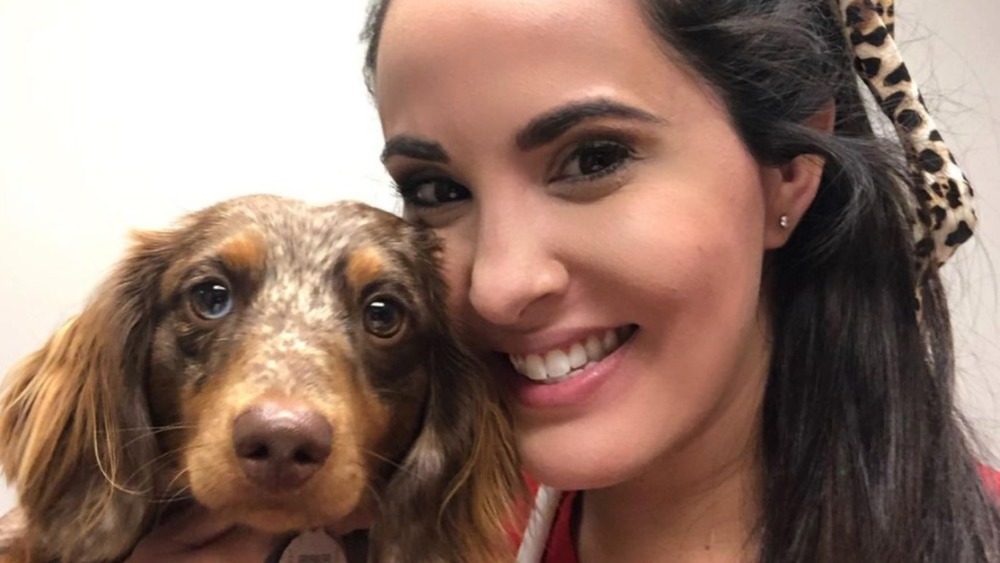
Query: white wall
point(122, 113)
point(951, 47)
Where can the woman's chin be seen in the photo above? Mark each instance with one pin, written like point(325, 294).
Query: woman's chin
point(569, 464)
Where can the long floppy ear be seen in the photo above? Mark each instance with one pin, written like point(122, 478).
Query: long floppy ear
point(454, 496)
point(75, 437)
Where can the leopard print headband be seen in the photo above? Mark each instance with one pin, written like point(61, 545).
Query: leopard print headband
point(943, 216)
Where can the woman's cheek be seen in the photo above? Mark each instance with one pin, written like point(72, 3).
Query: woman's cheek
point(456, 256)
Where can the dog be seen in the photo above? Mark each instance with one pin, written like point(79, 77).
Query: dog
point(288, 365)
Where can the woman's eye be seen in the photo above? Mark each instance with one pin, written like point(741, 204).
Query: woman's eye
point(432, 192)
point(594, 159)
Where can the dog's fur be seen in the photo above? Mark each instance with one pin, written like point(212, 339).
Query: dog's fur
point(130, 405)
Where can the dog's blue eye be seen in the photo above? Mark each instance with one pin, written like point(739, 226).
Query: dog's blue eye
point(384, 317)
point(211, 300)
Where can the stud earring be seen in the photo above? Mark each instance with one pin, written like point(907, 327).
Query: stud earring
point(783, 221)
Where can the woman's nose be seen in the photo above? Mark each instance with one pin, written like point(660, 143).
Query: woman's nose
point(515, 269)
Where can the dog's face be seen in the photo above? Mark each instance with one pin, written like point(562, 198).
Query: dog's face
point(287, 365)
point(287, 362)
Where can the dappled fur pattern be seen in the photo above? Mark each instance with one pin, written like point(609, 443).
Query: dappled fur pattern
point(128, 409)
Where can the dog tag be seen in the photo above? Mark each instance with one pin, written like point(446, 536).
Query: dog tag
point(313, 547)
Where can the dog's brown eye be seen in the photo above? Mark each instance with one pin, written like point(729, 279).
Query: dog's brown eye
point(211, 300)
point(384, 317)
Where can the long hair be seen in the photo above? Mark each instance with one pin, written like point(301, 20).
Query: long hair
point(864, 455)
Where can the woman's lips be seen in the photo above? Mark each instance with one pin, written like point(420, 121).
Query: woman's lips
point(552, 385)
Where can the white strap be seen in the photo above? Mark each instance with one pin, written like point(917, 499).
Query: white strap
point(536, 533)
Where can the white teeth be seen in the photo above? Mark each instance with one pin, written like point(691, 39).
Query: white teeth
point(517, 362)
point(534, 367)
point(557, 364)
point(610, 341)
point(577, 356)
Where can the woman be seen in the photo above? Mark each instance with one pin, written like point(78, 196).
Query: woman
point(680, 245)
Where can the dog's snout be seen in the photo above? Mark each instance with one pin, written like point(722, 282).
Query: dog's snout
point(280, 447)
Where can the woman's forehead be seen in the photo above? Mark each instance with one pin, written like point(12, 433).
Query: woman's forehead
point(423, 19)
point(513, 56)
point(428, 33)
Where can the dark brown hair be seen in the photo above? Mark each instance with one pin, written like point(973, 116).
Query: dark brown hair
point(865, 457)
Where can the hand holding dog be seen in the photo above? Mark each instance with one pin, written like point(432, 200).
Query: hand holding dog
point(198, 536)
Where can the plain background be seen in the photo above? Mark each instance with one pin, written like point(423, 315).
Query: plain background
point(120, 114)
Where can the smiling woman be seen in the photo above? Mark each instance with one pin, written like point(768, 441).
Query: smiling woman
point(658, 221)
point(717, 354)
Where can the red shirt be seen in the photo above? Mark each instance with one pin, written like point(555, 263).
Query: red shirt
point(560, 549)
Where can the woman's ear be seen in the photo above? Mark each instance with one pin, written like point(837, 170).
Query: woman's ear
point(75, 437)
point(791, 187)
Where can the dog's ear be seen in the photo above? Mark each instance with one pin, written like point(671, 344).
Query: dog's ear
point(453, 497)
point(75, 436)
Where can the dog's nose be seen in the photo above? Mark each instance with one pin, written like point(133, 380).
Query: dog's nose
point(280, 448)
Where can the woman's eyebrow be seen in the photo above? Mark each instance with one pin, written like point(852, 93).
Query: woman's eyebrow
point(540, 131)
point(551, 125)
point(414, 147)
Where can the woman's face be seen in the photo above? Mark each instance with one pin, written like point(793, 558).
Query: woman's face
point(604, 227)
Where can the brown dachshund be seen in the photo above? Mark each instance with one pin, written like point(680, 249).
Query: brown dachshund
point(288, 365)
